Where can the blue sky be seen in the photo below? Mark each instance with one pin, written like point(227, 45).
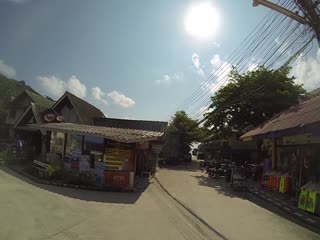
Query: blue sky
point(131, 59)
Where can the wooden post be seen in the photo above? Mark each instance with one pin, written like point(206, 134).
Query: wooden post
point(274, 153)
point(64, 147)
point(82, 144)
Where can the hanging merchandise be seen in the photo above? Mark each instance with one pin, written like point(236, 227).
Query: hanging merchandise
point(282, 185)
point(303, 199)
point(270, 180)
point(311, 201)
point(275, 184)
point(287, 184)
point(317, 211)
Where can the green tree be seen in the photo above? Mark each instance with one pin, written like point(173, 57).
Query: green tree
point(181, 133)
point(250, 99)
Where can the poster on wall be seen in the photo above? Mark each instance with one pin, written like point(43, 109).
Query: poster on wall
point(84, 163)
point(99, 172)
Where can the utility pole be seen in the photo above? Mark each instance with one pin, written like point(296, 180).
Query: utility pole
point(308, 8)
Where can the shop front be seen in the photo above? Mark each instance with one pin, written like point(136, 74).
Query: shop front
point(99, 156)
point(296, 170)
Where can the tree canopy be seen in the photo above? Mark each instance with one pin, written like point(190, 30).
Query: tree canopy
point(251, 98)
point(181, 133)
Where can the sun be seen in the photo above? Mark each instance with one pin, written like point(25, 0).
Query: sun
point(202, 21)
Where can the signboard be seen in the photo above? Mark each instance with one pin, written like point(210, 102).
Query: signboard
point(49, 117)
point(60, 118)
point(117, 179)
point(300, 139)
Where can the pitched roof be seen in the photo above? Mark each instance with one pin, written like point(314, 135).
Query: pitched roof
point(85, 110)
point(39, 100)
point(303, 114)
point(155, 126)
point(117, 134)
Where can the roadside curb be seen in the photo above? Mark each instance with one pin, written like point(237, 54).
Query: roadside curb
point(302, 218)
point(190, 210)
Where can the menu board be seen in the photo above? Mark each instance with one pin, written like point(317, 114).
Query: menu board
point(117, 156)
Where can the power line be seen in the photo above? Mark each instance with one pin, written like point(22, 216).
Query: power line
point(195, 97)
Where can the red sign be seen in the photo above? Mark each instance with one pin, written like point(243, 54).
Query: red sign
point(117, 179)
point(49, 117)
point(60, 118)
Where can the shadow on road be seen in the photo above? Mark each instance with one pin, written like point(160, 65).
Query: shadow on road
point(221, 186)
point(85, 195)
point(186, 166)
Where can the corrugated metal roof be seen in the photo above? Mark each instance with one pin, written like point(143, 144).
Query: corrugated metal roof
point(117, 134)
point(303, 114)
point(155, 126)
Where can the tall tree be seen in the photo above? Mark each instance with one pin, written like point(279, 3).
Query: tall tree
point(251, 98)
point(181, 133)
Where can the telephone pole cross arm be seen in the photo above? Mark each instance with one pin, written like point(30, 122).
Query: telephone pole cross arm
point(307, 7)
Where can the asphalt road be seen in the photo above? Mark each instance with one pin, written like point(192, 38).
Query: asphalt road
point(236, 215)
point(39, 212)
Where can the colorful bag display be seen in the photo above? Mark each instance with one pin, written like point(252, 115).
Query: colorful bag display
point(303, 199)
point(275, 184)
point(317, 211)
point(311, 202)
point(282, 186)
point(270, 181)
point(287, 184)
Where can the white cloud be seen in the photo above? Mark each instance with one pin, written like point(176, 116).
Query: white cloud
point(7, 70)
point(98, 94)
point(121, 99)
point(220, 70)
point(52, 85)
point(197, 65)
point(168, 79)
point(307, 71)
point(76, 87)
point(216, 61)
point(55, 87)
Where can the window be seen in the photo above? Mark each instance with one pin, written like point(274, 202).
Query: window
point(56, 144)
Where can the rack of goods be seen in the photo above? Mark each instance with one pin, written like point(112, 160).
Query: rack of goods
point(117, 156)
point(309, 198)
point(277, 181)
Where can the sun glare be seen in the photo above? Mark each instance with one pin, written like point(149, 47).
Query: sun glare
point(202, 21)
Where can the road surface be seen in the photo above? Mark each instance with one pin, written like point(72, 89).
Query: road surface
point(39, 212)
point(234, 214)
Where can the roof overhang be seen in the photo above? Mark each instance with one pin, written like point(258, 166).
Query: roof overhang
point(116, 134)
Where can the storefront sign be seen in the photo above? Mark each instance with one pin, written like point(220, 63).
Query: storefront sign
point(49, 117)
point(117, 179)
point(300, 139)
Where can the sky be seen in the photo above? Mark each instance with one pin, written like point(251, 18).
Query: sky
point(131, 59)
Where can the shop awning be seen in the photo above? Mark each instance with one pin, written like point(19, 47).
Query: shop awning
point(301, 115)
point(116, 134)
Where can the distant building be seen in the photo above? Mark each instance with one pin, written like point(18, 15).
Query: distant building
point(18, 106)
